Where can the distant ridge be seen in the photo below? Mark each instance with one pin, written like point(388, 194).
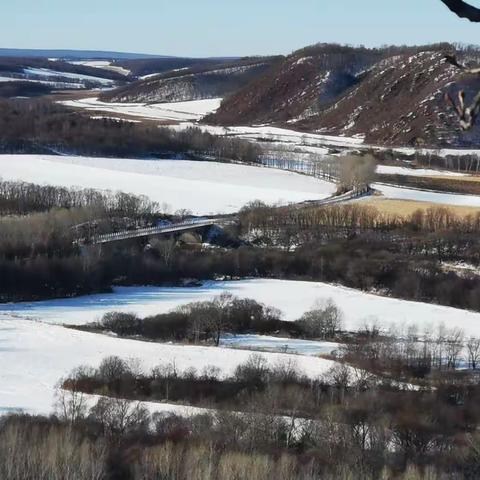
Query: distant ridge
point(183, 80)
point(76, 54)
point(389, 95)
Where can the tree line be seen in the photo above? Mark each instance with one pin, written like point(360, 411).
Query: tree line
point(20, 198)
point(207, 321)
point(369, 260)
point(276, 224)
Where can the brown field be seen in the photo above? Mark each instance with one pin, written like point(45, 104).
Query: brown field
point(467, 185)
point(407, 207)
point(467, 178)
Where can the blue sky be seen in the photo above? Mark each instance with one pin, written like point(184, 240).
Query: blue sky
point(226, 27)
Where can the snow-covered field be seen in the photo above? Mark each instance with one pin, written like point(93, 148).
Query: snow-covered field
point(417, 172)
point(284, 135)
point(103, 64)
point(35, 356)
point(54, 74)
point(35, 351)
point(400, 193)
point(293, 298)
point(10, 79)
point(281, 136)
point(179, 112)
point(442, 152)
point(201, 187)
point(292, 136)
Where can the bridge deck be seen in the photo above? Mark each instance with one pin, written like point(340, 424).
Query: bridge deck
point(146, 232)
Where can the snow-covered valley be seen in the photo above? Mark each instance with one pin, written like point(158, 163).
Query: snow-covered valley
point(36, 350)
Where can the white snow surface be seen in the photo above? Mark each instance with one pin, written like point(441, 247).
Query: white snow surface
point(293, 298)
point(10, 79)
point(36, 351)
point(282, 136)
point(34, 356)
point(442, 152)
point(179, 111)
point(45, 72)
point(103, 64)
point(400, 193)
point(417, 172)
point(201, 187)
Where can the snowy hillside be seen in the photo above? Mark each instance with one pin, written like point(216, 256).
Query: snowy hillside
point(187, 84)
point(178, 112)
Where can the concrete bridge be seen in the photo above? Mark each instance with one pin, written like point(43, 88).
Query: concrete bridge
point(184, 226)
point(198, 223)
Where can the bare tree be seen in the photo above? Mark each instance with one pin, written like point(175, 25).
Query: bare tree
point(325, 320)
point(70, 403)
point(341, 377)
point(219, 319)
point(453, 347)
point(112, 368)
point(167, 372)
point(473, 349)
point(356, 172)
point(254, 370)
point(165, 249)
point(118, 416)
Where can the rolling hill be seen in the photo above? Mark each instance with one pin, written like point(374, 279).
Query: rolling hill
point(391, 96)
point(201, 81)
point(56, 74)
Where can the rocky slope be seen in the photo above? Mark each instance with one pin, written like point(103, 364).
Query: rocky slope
point(392, 96)
point(400, 101)
point(298, 86)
